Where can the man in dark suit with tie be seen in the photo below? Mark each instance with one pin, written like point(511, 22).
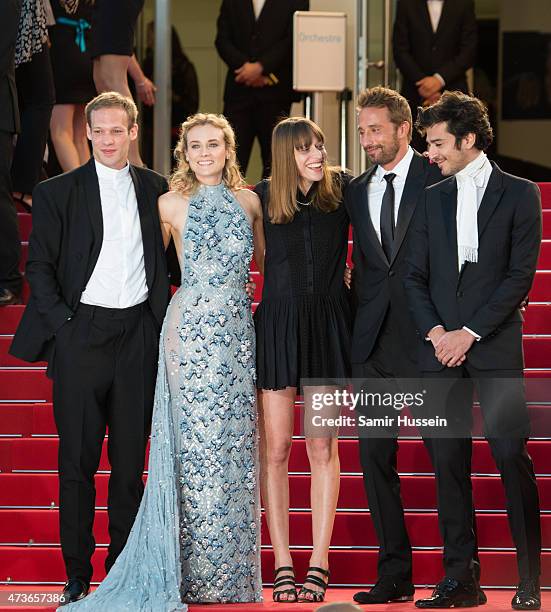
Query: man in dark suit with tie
point(255, 40)
point(10, 245)
point(434, 44)
point(381, 203)
point(99, 291)
point(472, 259)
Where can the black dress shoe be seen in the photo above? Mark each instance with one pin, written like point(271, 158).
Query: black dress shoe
point(8, 298)
point(74, 589)
point(482, 599)
point(528, 596)
point(451, 593)
point(387, 590)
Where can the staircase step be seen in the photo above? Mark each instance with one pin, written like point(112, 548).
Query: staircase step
point(30, 564)
point(546, 224)
point(541, 289)
point(545, 189)
point(353, 529)
point(21, 385)
point(418, 492)
point(537, 319)
point(25, 225)
point(40, 454)
point(544, 261)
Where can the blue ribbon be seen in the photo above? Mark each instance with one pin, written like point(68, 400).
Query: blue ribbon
point(80, 25)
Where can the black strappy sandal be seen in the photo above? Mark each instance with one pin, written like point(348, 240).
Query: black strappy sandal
point(317, 596)
point(282, 581)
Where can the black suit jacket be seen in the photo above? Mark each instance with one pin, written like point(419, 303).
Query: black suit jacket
point(420, 52)
point(9, 117)
point(64, 247)
point(484, 296)
point(377, 284)
point(269, 40)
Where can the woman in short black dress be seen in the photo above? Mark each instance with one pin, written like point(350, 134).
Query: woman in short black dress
point(74, 83)
point(303, 332)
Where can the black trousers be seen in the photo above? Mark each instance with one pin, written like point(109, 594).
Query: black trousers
point(35, 89)
point(384, 372)
point(10, 244)
point(104, 376)
point(378, 455)
point(503, 405)
point(255, 120)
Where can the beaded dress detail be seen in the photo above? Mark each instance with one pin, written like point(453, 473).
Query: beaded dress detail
point(196, 537)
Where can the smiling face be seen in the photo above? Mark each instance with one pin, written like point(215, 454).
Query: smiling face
point(442, 149)
point(206, 153)
point(111, 136)
point(310, 161)
point(384, 142)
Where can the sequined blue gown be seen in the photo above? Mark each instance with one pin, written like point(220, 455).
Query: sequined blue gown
point(196, 537)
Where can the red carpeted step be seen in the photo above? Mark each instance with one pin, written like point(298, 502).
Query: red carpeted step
point(24, 256)
point(546, 224)
point(541, 289)
point(38, 454)
point(545, 189)
point(537, 319)
point(544, 261)
point(9, 318)
point(7, 360)
point(25, 225)
point(25, 385)
point(27, 419)
point(32, 564)
point(418, 491)
point(41, 527)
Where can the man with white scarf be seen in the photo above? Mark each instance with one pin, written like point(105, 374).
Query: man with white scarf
point(471, 264)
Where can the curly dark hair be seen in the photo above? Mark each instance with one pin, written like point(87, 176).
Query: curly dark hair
point(463, 115)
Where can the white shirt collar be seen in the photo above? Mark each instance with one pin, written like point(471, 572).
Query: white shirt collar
point(400, 170)
point(104, 172)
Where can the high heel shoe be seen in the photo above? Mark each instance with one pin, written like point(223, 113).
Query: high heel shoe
point(316, 596)
point(282, 581)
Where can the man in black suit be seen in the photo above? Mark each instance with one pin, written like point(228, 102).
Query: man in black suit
point(381, 203)
point(434, 44)
point(10, 245)
point(255, 40)
point(99, 291)
point(472, 259)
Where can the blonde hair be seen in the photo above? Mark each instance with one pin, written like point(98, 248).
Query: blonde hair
point(112, 99)
point(183, 178)
point(288, 135)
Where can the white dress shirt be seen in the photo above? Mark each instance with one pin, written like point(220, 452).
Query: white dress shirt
point(258, 5)
point(118, 279)
point(435, 12)
point(377, 185)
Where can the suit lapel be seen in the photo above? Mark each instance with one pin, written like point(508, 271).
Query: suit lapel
point(491, 198)
point(415, 182)
point(363, 224)
point(448, 210)
point(91, 196)
point(146, 223)
point(425, 16)
point(446, 15)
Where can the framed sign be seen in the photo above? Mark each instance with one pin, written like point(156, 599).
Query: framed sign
point(319, 51)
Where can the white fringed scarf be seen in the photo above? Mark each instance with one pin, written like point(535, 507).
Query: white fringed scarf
point(468, 179)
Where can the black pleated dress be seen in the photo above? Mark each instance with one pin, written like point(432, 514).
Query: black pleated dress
point(303, 323)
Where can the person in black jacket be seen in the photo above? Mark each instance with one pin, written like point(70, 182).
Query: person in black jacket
point(99, 291)
point(10, 245)
point(472, 260)
point(434, 44)
point(254, 39)
point(381, 203)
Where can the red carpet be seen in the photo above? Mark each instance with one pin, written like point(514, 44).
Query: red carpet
point(29, 536)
